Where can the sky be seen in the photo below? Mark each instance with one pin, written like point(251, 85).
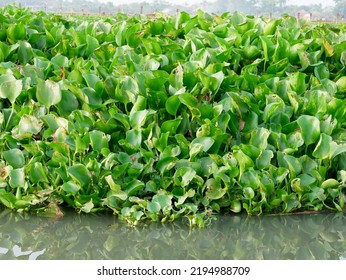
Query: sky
point(183, 2)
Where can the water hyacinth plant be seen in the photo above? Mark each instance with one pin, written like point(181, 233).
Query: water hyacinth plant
point(156, 118)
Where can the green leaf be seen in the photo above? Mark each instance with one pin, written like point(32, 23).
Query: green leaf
point(330, 183)
point(172, 104)
point(212, 82)
point(183, 176)
point(133, 187)
point(112, 184)
point(310, 128)
point(328, 48)
point(138, 118)
point(195, 149)
point(29, 125)
point(14, 157)
point(250, 179)
point(304, 59)
point(8, 199)
point(280, 174)
point(259, 138)
point(270, 27)
point(340, 149)
point(91, 79)
point(38, 173)
point(290, 162)
point(68, 102)
point(213, 189)
point(321, 72)
point(163, 200)
point(17, 178)
point(80, 174)
point(306, 180)
point(92, 44)
point(60, 61)
point(249, 193)
point(99, 140)
point(10, 88)
point(71, 187)
point(87, 207)
point(171, 126)
point(235, 206)
point(156, 28)
point(151, 46)
point(166, 164)
point(267, 46)
point(325, 147)
point(48, 93)
point(16, 32)
point(189, 100)
point(244, 161)
point(341, 84)
point(153, 206)
point(250, 52)
point(297, 82)
point(263, 161)
point(133, 139)
point(25, 52)
point(205, 142)
point(272, 109)
point(119, 194)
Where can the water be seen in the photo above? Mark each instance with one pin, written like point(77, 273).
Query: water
point(319, 236)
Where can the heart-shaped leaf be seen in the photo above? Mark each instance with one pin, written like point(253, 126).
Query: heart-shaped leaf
point(48, 93)
point(10, 88)
point(310, 128)
point(213, 189)
point(14, 157)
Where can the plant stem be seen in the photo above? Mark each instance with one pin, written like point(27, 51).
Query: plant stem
point(10, 117)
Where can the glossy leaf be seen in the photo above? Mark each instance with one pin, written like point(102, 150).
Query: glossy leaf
point(325, 147)
point(17, 178)
point(71, 187)
point(14, 157)
point(25, 52)
point(172, 105)
point(38, 173)
point(310, 128)
point(80, 174)
point(214, 190)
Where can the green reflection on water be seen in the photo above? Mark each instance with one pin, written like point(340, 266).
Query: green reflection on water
point(24, 236)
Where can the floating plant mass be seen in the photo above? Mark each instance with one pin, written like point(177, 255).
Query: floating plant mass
point(156, 118)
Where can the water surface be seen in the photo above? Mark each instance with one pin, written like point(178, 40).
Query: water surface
point(75, 236)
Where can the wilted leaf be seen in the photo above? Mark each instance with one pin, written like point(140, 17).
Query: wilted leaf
point(29, 124)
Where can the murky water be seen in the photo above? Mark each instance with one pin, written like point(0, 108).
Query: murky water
point(320, 236)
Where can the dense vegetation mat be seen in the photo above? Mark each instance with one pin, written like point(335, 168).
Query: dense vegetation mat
point(168, 116)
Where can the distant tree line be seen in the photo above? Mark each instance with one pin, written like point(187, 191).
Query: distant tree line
point(257, 7)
